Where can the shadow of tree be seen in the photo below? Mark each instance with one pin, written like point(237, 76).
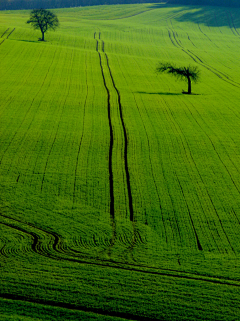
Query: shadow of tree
point(159, 93)
point(36, 41)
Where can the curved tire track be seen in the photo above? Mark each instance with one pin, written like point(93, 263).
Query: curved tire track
point(55, 242)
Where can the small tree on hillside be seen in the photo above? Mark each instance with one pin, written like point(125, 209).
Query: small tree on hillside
point(44, 20)
point(190, 73)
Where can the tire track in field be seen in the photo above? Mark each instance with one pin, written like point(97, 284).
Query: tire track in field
point(75, 307)
point(50, 245)
point(10, 33)
point(206, 36)
point(125, 143)
point(4, 32)
point(174, 226)
point(231, 23)
point(197, 60)
point(130, 202)
point(42, 241)
point(6, 35)
point(191, 40)
point(110, 169)
point(234, 27)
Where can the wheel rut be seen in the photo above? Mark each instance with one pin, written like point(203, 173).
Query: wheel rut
point(173, 36)
point(50, 245)
point(103, 55)
point(6, 35)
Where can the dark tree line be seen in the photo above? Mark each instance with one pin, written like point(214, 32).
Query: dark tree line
point(33, 4)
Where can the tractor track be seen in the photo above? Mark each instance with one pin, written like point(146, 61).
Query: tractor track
point(130, 202)
point(54, 249)
point(5, 32)
point(75, 307)
point(125, 144)
point(110, 169)
point(197, 60)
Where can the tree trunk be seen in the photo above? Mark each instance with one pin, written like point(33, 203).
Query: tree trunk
point(42, 36)
point(189, 86)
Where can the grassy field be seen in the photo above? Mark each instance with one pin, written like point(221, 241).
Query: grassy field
point(119, 195)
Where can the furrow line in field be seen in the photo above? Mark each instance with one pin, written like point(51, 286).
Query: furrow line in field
point(217, 24)
point(42, 241)
point(178, 130)
point(4, 32)
point(55, 242)
point(189, 213)
point(213, 70)
point(151, 165)
point(25, 134)
point(238, 220)
point(10, 33)
point(170, 37)
point(179, 43)
point(220, 158)
point(80, 144)
point(190, 40)
point(206, 35)
point(173, 223)
point(204, 184)
point(36, 245)
point(229, 24)
point(215, 210)
point(218, 73)
point(55, 137)
point(125, 143)
point(75, 307)
point(110, 169)
point(28, 110)
point(7, 35)
point(200, 177)
point(231, 17)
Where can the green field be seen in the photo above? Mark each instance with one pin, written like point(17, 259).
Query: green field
point(119, 195)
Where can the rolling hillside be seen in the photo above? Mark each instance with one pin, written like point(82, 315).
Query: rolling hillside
point(119, 195)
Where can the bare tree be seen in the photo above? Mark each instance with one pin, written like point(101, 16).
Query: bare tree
point(44, 20)
point(190, 73)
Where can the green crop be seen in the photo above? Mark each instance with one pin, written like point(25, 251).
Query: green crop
point(119, 195)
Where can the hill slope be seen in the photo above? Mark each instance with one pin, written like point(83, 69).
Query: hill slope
point(119, 194)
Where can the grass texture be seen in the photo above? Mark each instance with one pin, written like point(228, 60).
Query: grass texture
point(119, 195)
